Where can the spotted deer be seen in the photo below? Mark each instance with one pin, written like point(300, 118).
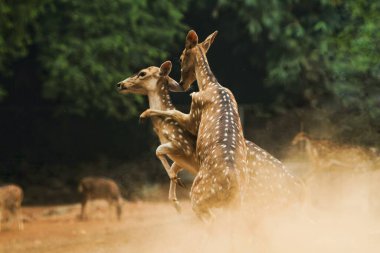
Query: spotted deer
point(221, 149)
point(92, 188)
point(176, 143)
point(11, 197)
point(326, 155)
point(156, 84)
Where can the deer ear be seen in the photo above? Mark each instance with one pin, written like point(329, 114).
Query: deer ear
point(208, 41)
point(174, 86)
point(191, 39)
point(165, 68)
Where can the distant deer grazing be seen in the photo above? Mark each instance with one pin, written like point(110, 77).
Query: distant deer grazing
point(11, 197)
point(325, 154)
point(221, 149)
point(92, 188)
point(156, 84)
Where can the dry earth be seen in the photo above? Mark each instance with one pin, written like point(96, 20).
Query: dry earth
point(337, 218)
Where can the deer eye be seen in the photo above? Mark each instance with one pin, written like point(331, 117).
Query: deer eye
point(142, 74)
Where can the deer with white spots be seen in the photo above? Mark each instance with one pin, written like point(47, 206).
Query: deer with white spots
point(11, 197)
point(221, 138)
point(326, 155)
point(221, 149)
point(156, 84)
point(176, 143)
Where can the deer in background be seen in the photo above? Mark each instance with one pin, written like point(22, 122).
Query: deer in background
point(325, 154)
point(221, 147)
point(11, 197)
point(156, 84)
point(92, 188)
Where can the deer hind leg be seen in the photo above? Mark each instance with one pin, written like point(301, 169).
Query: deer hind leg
point(119, 207)
point(1, 218)
point(83, 214)
point(201, 199)
point(20, 222)
point(111, 204)
point(175, 168)
point(172, 171)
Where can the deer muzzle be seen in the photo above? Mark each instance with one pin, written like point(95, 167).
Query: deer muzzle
point(121, 86)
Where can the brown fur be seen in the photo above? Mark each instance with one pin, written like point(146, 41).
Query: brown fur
point(92, 188)
point(326, 155)
point(221, 150)
point(176, 143)
point(266, 166)
point(11, 197)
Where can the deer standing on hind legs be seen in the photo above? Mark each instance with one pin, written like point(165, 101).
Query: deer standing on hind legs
point(176, 143)
point(156, 84)
point(271, 183)
point(221, 149)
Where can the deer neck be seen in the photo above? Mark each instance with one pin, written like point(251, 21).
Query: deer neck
point(159, 100)
point(204, 75)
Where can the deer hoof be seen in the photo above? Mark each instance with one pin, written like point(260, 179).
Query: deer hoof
point(145, 114)
point(180, 183)
point(177, 206)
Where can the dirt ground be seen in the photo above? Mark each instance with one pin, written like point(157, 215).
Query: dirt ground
point(156, 227)
point(57, 229)
point(339, 216)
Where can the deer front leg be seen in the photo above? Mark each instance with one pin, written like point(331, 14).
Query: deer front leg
point(83, 208)
point(20, 222)
point(1, 218)
point(184, 120)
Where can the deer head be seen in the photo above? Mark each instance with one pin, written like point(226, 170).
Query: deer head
point(301, 136)
point(150, 80)
point(188, 57)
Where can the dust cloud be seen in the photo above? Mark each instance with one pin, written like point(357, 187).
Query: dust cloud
point(340, 213)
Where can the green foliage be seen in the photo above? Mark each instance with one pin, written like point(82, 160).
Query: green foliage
point(17, 20)
point(355, 66)
point(3, 93)
point(83, 49)
point(325, 52)
point(99, 45)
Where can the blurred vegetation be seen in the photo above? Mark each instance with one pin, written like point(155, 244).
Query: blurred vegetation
point(307, 61)
point(78, 51)
point(322, 54)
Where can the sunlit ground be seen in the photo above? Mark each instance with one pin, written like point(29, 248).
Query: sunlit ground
point(341, 214)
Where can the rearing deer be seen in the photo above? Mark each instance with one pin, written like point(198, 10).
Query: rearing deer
point(176, 143)
point(156, 84)
point(270, 181)
point(221, 148)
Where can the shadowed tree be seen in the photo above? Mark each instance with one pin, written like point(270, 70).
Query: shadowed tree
point(80, 50)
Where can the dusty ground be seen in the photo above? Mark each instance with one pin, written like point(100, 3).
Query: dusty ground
point(156, 227)
point(57, 229)
point(340, 216)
